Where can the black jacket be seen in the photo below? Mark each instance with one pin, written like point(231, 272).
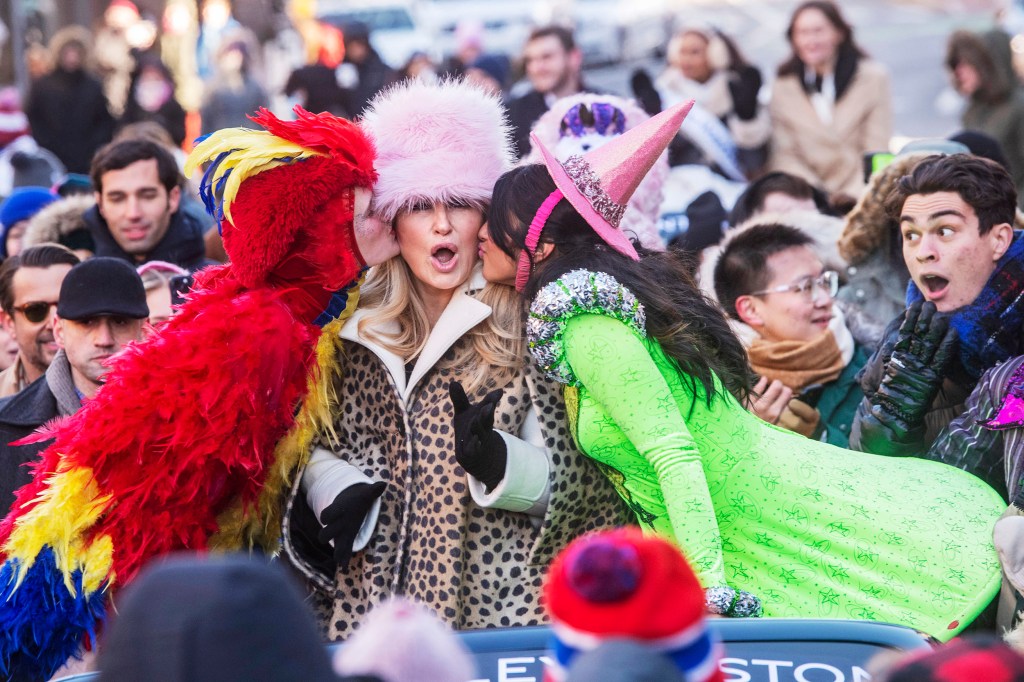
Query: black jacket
point(69, 116)
point(182, 245)
point(20, 415)
point(523, 112)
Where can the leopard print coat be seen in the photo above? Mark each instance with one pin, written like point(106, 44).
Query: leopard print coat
point(475, 567)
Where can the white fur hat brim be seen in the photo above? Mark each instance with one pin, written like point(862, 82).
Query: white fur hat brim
point(437, 142)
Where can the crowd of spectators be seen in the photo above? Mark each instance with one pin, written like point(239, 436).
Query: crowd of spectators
point(879, 303)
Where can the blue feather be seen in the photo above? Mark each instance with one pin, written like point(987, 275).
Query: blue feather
point(41, 624)
point(212, 191)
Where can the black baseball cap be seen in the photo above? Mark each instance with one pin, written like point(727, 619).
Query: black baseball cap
point(102, 286)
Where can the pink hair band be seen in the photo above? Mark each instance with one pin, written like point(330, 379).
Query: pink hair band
point(533, 238)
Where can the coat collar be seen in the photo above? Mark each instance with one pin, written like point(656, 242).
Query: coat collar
point(30, 408)
point(462, 314)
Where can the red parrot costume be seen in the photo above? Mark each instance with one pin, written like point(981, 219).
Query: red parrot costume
point(193, 437)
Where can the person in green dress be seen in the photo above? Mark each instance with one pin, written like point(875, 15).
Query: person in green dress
point(655, 382)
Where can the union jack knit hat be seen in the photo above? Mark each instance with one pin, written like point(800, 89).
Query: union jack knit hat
point(620, 584)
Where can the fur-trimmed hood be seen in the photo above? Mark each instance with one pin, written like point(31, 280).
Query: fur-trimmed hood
point(58, 220)
point(72, 34)
point(868, 226)
point(447, 141)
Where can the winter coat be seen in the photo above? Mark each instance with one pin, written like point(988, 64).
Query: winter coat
point(170, 116)
point(831, 155)
point(224, 107)
point(523, 112)
point(998, 110)
point(183, 244)
point(62, 222)
point(995, 456)
point(51, 395)
point(838, 403)
point(53, 97)
point(437, 537)
point(731, 95)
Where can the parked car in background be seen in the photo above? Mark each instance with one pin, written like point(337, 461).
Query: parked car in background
point(620, 30)
point(395, 32)
point(505, 23)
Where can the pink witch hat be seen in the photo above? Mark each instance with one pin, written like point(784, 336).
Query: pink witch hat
point(600, 183)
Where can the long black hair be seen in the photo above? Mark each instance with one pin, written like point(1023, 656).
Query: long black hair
point(691, 329)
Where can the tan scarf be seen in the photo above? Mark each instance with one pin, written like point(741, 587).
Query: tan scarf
point(798, 364)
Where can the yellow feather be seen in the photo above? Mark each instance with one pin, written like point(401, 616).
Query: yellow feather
point(250, 152)
point(241, 528)
point(67, 508)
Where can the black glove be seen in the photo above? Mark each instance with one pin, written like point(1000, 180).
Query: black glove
point(478, 447)
point(913, 376)
point(343, 518)
point(645, 92)
point(744, 84)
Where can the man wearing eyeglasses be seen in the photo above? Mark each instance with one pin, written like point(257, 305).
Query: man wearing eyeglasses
point(101, 307)
point(773, 285)
point(29, 286)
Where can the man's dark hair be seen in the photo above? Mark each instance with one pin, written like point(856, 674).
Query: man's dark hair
point(751, 201)
point(742, 267)
point(983, 184)
point(39, 256)
point(563, 34)
point(123, 153)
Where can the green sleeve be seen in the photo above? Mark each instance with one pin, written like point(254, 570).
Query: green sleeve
point(619, 373)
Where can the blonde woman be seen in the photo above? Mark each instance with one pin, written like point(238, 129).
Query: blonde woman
point(391, 491)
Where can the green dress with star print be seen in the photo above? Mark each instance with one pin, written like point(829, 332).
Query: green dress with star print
point(815, 531)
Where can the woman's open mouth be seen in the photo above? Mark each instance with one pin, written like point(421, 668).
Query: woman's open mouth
point(444, 257)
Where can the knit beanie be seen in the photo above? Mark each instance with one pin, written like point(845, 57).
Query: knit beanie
point(401, 640)
point(13, 121)
point(22, 204)
point(621, 584)
point(494, 65)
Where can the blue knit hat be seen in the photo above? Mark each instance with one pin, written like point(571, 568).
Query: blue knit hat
point(24, 203)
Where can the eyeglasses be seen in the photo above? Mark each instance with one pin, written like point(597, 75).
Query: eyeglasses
point(37, 311)
point(827, 283)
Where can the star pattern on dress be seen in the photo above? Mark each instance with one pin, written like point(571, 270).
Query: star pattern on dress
point(829, 596)
point(788, 575)
point(861, 511)
point(839, 528)
point(893, 539)
point(958, 576)
point(667, 403)
point(838, 571)
point(796, 514)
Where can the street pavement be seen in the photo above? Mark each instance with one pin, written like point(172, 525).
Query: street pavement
point(908, 37)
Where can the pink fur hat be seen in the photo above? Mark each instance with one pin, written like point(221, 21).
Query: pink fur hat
point(446, 141)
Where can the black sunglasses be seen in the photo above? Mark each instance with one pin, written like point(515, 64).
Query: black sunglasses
point(35, 312)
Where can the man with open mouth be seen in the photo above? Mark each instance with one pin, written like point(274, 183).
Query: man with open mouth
point(964, 311)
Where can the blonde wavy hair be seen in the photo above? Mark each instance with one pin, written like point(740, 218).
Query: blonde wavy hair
point(497, 348)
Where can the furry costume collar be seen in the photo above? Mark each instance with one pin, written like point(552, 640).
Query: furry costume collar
point(990, 327)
